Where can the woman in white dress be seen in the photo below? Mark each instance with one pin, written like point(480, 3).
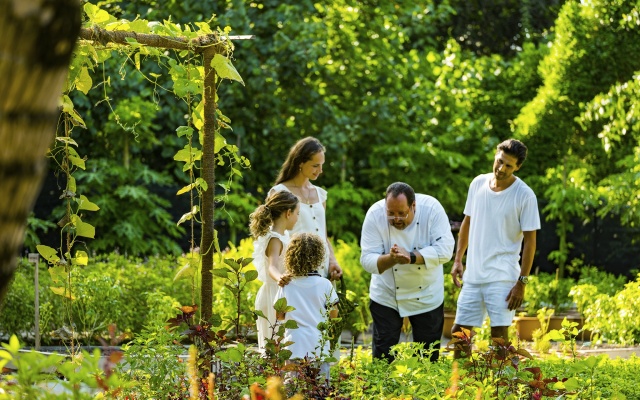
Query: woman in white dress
point(303, 165)
point(268, 225)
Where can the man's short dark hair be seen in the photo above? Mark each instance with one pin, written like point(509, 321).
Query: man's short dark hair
point(396, 189)
point(514, 148)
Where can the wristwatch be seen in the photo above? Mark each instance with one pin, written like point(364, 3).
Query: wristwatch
point(413, 257)
point(524, 279)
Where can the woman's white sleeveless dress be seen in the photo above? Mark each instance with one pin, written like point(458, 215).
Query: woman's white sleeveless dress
point(312, 219)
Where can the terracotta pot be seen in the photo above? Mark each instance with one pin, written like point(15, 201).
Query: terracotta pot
point(449, 318)
point(527, 325)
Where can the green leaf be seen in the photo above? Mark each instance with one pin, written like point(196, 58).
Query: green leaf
point(280, 305)
point(225, 68)
point(67, 140)
point(82, 228)
point(220, 143)
point(186, 271)
point(81, 258)
point(234, 355)
point(185, 189)
point(140, 26)
point(220, 272)
point(58, 274)
point(187, 216)
point(48, 253)
point(75, 159)
point(61, 291)
point(85, 204)
point(232, 263)
point(184, 131)
point(95, 14)
point(251, 275)
point(572, 384)
point(291, 324)
point(84, 82)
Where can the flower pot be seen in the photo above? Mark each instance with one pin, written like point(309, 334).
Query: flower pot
point(449, 318)
point(525, 326)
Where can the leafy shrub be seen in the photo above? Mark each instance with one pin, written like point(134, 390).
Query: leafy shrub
point(615, 318)
point(546, 290)
point(111, 289)
point(357, 282)
point(605, 282)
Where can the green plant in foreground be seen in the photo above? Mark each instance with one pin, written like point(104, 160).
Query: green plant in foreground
point(501, 372)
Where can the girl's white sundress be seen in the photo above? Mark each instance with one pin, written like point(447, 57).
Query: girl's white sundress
point(267, 292)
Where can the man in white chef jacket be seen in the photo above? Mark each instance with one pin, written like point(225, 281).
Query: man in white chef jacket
point(405, 239)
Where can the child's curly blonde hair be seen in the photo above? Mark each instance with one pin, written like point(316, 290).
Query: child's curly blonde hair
point(304, 254)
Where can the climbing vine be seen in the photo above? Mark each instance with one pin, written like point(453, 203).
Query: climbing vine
point(177, 51)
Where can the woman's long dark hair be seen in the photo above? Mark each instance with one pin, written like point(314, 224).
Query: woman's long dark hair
point(301, 152)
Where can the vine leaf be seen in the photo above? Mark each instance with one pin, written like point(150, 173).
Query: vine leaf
point(225, 68)
point(189, 215)
point(96, 15)
point(186, 271)
point(84, 82)
point(82, 228)
point(48, 253)
point(81, 258)
point(85, 204)
point(62, 291)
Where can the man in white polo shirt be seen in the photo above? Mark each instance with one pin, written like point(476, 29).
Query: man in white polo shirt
point(500, 214)
point(406, 238)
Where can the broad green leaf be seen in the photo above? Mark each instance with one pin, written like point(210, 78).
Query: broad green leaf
point(220, 143)
point(225, 68)
point(185, 131)
point(251, 275)
point(81, 258)
point(75, 159)
point(186, 271)
point(84, 82)
point(71, 184)
point(291, 324)
point(85, 230)
point(95, 14)
point(48, 253)
point(202, 183)
point(234, 354)
point(61, 291)
point(220, 272)
point(85, 204)
point(280, 304)
point(58, 274)
point(140, 26)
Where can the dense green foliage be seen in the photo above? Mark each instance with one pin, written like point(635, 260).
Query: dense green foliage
point(420, 93)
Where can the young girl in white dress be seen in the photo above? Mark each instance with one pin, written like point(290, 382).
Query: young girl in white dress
point(313, 297)
point(268, 225)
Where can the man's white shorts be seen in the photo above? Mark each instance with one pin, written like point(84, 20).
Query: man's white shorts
point(476, 301)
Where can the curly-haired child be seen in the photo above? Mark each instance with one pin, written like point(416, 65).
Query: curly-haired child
point(312, 296)
point(268, 225)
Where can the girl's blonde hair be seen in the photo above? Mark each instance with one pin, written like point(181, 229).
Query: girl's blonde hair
point(304, 254)
point(274, 206)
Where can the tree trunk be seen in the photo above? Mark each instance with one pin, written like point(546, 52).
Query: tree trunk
point(36, 41)
point(207, 248)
